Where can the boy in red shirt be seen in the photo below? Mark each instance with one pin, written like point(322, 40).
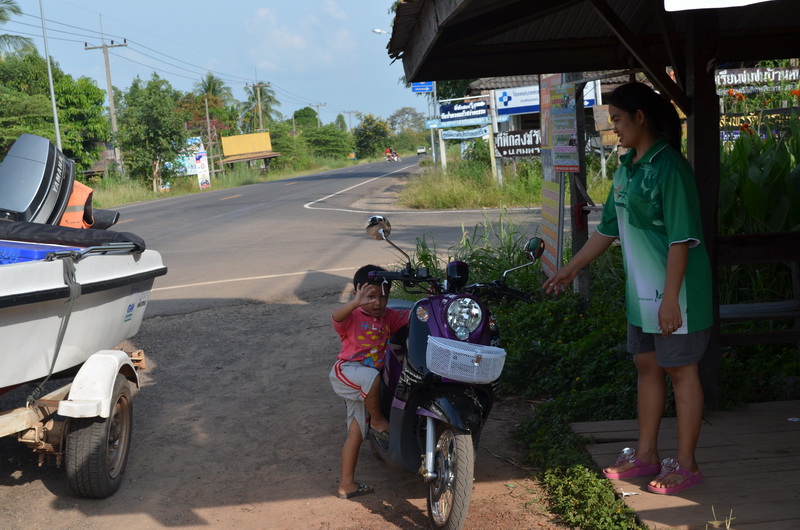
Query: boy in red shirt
point(364, 325)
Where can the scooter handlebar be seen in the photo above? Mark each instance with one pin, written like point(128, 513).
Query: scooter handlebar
point(499, 288)
point(387, 275)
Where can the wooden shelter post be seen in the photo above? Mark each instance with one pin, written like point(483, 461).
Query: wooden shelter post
point(703, 154)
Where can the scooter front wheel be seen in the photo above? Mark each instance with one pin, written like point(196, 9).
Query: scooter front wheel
point(450, 492)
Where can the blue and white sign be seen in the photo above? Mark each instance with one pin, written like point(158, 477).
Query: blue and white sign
point(519, 100)
point(525, 99)
point(464, 110)
point(423, 86)
point(464, 135)
point(438, 124)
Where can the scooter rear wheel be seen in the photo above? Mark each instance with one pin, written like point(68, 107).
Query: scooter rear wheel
point(450, 492)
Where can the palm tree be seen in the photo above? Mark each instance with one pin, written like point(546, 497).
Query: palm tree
point(12, 42)
point(213, 86)
point(268, 101)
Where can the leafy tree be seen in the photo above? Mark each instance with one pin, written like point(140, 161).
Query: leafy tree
point(81, 115)
point(21, 113)
point(82, 121)
point(12, 42)
point(221, 118)
point(306, 118)
point(329, 141)
point(152, 129)
point(371, 135)
point(292, 147)
point(406, 119)
point(340, 123)
point(454, 88)
point(27, 73)
point(212, 86)
point(269, 102)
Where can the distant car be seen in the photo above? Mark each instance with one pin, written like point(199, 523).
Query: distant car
point(421, 150)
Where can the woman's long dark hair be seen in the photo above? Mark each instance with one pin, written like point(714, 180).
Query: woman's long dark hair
point(661, 116)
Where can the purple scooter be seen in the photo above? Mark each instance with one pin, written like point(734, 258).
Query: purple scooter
point(440, 377)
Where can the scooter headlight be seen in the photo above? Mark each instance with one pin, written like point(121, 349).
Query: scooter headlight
point(464, 315)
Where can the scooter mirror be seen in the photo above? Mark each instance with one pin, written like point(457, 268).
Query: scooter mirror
point(378, 227)
point(534, 248)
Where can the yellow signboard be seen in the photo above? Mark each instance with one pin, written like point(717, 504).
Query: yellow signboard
point(243, 144)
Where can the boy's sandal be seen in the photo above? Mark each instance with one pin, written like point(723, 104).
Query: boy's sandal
point(639, 469)
point(380, 435)
point(361, 489)
point(671, 466)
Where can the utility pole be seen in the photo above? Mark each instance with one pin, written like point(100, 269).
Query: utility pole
point(350, 119)
point(258, 103)
point(318, 105)
point(111, 111)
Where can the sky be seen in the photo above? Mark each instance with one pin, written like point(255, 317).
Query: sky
point(320, 53)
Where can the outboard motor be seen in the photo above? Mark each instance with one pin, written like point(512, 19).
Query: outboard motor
point(35, 181)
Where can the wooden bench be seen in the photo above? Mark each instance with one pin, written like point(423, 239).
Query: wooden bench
point(762, 248)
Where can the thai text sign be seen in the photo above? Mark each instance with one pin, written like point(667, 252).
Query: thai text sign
point(564, 128)
point(518, 143)
point(464, 110)
point(463, 135)
point(756, 80)
point(519, 100)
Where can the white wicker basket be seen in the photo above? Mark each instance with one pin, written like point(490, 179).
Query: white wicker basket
point(463, 361)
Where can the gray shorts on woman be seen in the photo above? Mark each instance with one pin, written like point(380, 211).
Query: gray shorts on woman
point(672, 350)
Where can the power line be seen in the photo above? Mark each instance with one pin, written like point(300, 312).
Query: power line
point(286, 95)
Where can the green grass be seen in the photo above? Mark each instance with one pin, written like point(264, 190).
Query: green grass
point(113, 191)
point(470, 184)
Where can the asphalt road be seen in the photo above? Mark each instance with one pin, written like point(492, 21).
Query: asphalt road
point(282, 240)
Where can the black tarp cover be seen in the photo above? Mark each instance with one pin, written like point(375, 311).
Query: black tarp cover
point(61, 235)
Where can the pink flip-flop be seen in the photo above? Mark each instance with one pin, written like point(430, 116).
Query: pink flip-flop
point(639, 469)
point(670, 466)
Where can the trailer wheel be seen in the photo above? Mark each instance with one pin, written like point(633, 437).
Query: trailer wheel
point(97, 448)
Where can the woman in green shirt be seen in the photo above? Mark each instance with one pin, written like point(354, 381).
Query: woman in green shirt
point(653, 209)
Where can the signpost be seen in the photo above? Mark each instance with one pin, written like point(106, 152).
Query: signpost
point(424, 86)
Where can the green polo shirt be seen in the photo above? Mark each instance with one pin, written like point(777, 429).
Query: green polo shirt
point(653, 204)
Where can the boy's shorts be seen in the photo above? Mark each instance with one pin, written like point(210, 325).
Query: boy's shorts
point(352, 381)
point(672, 350)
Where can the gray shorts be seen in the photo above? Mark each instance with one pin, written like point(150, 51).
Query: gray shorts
point(353, 381)
point(672, 350)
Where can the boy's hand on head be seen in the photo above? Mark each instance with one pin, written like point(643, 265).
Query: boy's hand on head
point(362, 294)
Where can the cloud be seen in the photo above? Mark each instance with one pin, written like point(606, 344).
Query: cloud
point(287, 39)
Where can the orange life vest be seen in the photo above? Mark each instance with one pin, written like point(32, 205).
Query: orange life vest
point(79, 208)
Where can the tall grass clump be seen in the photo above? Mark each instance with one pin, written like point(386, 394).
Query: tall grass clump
point(466, 184)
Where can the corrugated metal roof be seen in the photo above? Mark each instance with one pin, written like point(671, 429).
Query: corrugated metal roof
point(462, 39)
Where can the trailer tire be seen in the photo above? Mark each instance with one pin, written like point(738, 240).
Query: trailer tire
point(97, 448)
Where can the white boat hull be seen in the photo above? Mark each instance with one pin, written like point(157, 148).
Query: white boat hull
point(35, 300)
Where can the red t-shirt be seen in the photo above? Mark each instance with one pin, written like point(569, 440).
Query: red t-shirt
point(365, 338)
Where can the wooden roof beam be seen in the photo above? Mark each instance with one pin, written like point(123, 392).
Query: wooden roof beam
point(655, 71)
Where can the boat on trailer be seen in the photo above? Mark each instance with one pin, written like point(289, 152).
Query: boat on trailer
point(68, 297)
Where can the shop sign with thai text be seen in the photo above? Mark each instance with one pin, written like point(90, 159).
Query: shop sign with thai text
point(464, 110)
point(518, 143)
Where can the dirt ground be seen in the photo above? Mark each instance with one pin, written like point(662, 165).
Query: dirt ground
point(235, 425)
